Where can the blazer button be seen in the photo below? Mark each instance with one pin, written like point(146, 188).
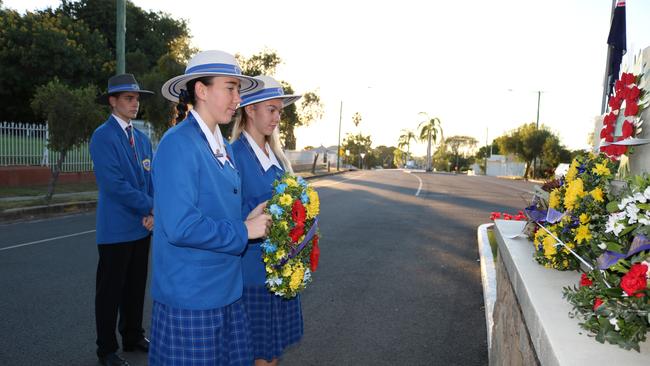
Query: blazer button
point(234, 191)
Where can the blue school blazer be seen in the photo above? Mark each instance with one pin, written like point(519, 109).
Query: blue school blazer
point(199, 234)
point(124, 182)
point(257, 187)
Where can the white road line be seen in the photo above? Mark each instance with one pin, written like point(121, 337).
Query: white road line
point(420, 179)
point(46, 240)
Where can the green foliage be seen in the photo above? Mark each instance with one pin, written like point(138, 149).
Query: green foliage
point(306, 110)
point(76, 43)
point(356, 144)
point(36, 47)
point(71, 113)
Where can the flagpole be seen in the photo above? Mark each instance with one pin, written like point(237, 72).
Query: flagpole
point(603, 105)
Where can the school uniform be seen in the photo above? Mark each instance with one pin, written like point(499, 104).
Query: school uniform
point(199, 237)
point(122, 170)
point(275, 322)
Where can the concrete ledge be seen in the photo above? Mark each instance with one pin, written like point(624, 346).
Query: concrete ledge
point(22, 213)
point(557, 339)
point(488, 278)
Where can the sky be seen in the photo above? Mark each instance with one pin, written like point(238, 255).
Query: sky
point(476, 65)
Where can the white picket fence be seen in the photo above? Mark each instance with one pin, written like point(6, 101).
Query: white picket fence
point(26, 144)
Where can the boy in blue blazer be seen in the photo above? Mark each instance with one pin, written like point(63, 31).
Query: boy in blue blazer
point(122, 161)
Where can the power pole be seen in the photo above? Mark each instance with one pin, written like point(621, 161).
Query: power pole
point(338, 151)
point(120, 35)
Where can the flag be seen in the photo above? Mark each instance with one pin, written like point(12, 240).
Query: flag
point(616, 40)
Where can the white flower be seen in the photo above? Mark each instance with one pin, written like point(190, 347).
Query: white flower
point(614, 322)
point(602, 246)
point(624, 202)
point(613, 225)
point(307, 277)
point(643, 220)
point(639, 197)
point(646, 193)
point(632, 212)
point(274, 281)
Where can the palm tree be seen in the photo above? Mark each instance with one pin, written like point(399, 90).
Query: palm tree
point(430, 130)
point(405, 140)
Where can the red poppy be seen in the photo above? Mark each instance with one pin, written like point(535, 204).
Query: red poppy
point(296, 233)
point(631, 108)
point(314, 256)
point(597, 303)
point(628, 78)
point(610, 119)
point(633, 93)
point(635, 280)
point(628, 129)
point(585, 281)
point(298, 212)
point(615, 101)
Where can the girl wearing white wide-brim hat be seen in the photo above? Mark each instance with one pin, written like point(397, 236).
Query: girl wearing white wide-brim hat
point(200, 233)
point(275, 322)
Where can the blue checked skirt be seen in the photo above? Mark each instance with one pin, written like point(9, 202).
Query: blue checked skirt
point(216, 337)
point(275, 322)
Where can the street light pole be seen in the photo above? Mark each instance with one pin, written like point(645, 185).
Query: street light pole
point(338, 150)
point(120, 36)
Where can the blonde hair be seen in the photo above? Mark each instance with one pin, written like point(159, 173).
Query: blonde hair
point(273, 140)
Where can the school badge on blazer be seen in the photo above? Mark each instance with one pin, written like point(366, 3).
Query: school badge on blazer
point(146, 164)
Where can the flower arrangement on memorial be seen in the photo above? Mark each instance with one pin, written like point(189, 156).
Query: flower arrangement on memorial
point(291, 251)
point(625, 108)
point(506, 216)
point(570, 218)
point(613, 298)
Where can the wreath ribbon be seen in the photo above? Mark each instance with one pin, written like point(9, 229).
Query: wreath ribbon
point(294, 252)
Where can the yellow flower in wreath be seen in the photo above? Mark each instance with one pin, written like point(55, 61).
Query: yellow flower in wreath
point(285, 200)
point(597, 194)
point(584, 218)
point(291, 182)
point(601, 169)
point(287, 270)
point(313, 207)
point(572, 172)
point(296, 277)
point(549, 246)
point(554, 199)
point(574, 191)
point(583, 234)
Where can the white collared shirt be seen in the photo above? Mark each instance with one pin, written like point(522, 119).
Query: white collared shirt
point(215, 140)
point(124, 125)
point(265, 161)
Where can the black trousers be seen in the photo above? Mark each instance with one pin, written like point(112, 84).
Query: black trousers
point(121, 282)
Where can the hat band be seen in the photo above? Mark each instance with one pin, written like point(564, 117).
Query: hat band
point(123, 87)
point(263, 94)
point(217, 68)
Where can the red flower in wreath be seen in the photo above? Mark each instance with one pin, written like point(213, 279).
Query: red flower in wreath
point(635, 280)
point(297, 232)
point(626, 91)
point(314, 256)
point(585, 281)
point(597, 303)
point(298, 212)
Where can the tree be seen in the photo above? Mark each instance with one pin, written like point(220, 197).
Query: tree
point(430, 128)
point(356, 144)
point(308, 108)
point(36, 47)
point(384, 156)
point(460, 146)
point(72, 115)
point(527, 142)
point(405, 140)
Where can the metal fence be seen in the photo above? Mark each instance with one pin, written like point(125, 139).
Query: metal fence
point(26, 144)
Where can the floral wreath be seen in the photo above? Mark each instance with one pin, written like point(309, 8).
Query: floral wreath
point(291, 251)
point(627, 95)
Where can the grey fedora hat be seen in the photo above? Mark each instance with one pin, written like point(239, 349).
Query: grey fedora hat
point(122, 83)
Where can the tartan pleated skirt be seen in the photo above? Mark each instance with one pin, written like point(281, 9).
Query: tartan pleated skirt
point(275, 322)
point(215, 337)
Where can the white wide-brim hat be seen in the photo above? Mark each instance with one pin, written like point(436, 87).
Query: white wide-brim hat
point(271, 90)
point(209, 63)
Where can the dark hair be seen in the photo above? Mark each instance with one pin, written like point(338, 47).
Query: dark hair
point(187, 96)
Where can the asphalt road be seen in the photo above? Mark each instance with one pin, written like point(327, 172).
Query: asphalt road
point(398, 282)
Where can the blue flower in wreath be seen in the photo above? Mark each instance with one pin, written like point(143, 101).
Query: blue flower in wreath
point(276, 210)
point(268, 247)
point(302, 182)
point(304, 198)
point(280, 188)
